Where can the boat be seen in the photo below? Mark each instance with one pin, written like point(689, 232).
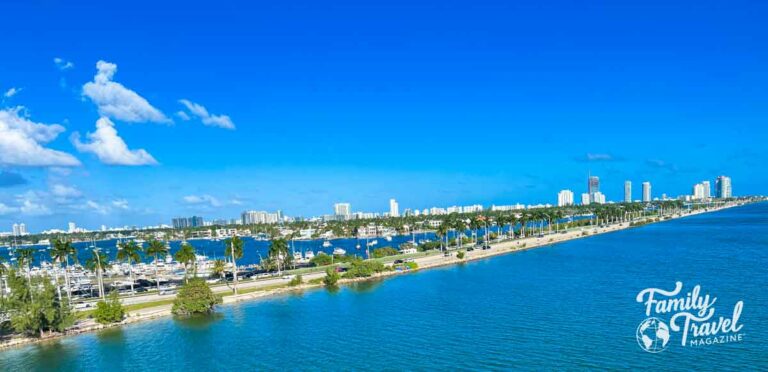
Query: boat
point(357, 246)
point(309, 255)
point(374, 242)
point(388, 238)
point(339, 252)
point(297, 256)
point(327, 244)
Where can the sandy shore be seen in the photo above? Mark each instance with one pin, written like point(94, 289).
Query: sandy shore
point(431, 261)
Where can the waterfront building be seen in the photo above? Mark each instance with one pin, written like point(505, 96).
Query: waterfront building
point(585, 199)
point(394, 208)
point(564, 198)
point(342, 210)
point(723, 187)
point(71, 227)
point(598, 197)
point(627, 191)
point(698, 192)
point(593, 186)
point(707, 189)
point(646, 191)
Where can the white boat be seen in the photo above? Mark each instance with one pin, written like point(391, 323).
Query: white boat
point(297, 256)
point(374, 242)
point(388, 238)
point(327, 244)
point(339, 252)
point(309, 255)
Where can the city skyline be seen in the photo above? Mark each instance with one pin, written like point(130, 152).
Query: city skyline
point(344, 211)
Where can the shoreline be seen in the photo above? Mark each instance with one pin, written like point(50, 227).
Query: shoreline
point(424, 263)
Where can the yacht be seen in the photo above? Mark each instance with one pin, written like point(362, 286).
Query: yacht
point(297, 256)
point(309, 255)
point(327, 244)
point(388, 238)
point(339, 252)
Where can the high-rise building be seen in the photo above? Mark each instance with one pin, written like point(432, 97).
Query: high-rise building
point(723, 187)
point(707, 189)
point(16, 230)
point(23, 229)
point(698, 191)
point(342, 210)
point(394, 208)
point(585, 199)
point(627, 191)
point(72, 227)
point(593, 186)
point(564, 198)
point(598, 197)
point(646, 191)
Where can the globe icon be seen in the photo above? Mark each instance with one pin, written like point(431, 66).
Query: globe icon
point(653, 335)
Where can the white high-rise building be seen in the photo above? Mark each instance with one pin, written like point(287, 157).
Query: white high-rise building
point(343, 210)
point(72, 227)
point(394, 209)
point(598, 197)
point(707, 189)
point(585, 199)
point(16, 231)
point(627, 191)
point(564, 198)
point(646, 191)
point(23, 229)
point(723, 187)
point(698, 191)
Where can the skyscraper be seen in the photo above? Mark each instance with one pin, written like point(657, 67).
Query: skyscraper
point(707, 189)
point(564, 198)
point(723, 187)
point(646, 191)
point(627, 191)
point(394, 209)
point(593, 186)
point(584, 199)
point(342, 210)
point(698, 191)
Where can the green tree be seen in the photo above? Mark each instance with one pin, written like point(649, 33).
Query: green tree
point(129, 252)
point(331, 277)
point(110, 311)
point(296, 280)
point(98, 263)
point(157, 250)
point(34, 307)
point(321, 260)
point(460, 255)
point(442, 231)
point(218, 268)
point(186, 255)
point(195, 297)
point(384, 252)
point(278, 251)
point(234, 249)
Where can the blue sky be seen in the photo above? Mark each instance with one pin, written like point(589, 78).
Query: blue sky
point(296, 105)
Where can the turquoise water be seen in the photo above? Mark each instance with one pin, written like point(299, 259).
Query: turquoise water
point(569, 306)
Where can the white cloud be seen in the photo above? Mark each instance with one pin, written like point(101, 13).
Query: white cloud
point(118, 102)
point(183, 116)
point(31, 203)
point(120, 203)
point(96, 207)
point(66, 192)
point(202, 199)
point(221, 121)
point(63, 64)
point(110, 148)
point(21, 141)
point(11, 92)
point(4, 209)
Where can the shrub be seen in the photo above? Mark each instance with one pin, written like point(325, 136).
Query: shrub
point(109, 311)
point(321, 260)
point(411, 265)
point(384, 252)
point(331, 277)
point(297, 280)
point(460, 255)
point(195, 297)
point(362, 269)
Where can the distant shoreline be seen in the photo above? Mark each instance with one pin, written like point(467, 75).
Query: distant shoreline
point(428, 262)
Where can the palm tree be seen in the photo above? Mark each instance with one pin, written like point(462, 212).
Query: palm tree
point(234, 249)
point(157, 249)
point(278, 249)
point(218, 268)
point(460, 226)
point(98, 263)
point(3, 272)
point(442, 231)
point(186, 255)
point(129, 252)
point(61, 252)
